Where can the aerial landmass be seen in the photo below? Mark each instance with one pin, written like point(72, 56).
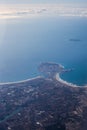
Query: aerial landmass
point(43, 103)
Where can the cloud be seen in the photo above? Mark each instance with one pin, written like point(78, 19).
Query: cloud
point(19, 11)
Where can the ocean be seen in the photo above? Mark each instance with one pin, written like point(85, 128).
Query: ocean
point(26, 42)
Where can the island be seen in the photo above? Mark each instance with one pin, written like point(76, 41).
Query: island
point(74, 40)
point(43, 103)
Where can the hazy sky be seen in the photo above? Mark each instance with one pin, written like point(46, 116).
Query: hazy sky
point(43, 1)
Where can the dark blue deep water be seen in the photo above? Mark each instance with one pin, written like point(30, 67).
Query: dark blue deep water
point(24, 43)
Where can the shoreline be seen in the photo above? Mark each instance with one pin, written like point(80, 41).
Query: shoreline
point(20, 81)
point(66, 82)
point(57, 77)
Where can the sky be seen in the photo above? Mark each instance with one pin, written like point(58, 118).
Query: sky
point(17, 11)
point(25, 8)
point(41, 1)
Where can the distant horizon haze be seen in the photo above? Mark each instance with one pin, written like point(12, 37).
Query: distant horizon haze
point(43, 1)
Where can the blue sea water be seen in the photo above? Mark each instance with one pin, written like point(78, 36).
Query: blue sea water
point(25, 43)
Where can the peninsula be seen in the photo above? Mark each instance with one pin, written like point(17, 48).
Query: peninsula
point(50, 70)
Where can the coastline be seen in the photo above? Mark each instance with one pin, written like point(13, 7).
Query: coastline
point(21, 81)
point(57, 77)
point(66, 82)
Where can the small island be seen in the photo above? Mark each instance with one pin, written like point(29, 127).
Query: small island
point(74, 40)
